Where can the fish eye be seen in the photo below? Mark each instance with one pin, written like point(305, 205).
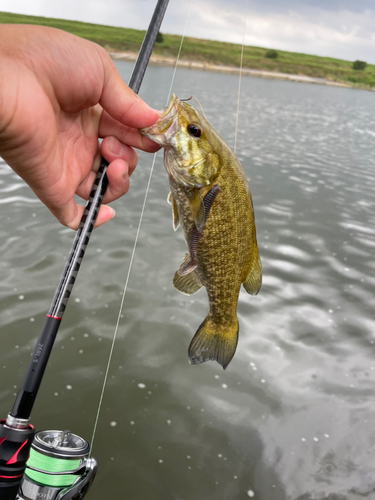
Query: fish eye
point(194, 130)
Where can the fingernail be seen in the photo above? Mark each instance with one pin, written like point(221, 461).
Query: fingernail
point(113, 212)
point(116, 147)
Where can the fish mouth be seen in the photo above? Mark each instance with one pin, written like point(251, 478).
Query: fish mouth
point(162, 131)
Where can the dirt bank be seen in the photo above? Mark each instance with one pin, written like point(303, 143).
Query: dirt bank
point(169, 61)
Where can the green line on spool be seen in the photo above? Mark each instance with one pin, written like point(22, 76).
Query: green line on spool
point(49, 464)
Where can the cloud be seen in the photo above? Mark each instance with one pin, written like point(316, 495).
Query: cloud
point(270, 7)
point(336, 28)
point(341, 34)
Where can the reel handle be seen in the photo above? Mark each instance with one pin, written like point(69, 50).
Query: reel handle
point(82, 485)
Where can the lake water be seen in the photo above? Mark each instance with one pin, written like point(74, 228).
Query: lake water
point(293, 416)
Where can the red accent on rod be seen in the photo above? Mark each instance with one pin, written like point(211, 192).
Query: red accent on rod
point(54, 317)
point(13, 459)
point(11, 477)
point(2, 440)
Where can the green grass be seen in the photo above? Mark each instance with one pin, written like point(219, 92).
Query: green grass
point(213, 52)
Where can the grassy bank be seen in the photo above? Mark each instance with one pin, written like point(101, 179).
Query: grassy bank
point(213, 52)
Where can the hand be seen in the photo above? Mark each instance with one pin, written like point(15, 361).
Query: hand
point(58, 95)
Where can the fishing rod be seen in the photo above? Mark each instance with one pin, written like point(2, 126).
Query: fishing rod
point(58, 467)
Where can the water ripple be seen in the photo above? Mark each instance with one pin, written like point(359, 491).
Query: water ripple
point(291, 417)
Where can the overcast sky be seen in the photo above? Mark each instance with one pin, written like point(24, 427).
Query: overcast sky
point(336, 28)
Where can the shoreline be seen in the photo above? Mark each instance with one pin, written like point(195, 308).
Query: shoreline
point(170, 61)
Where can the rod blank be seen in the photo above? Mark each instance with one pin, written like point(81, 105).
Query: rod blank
point(34, 374)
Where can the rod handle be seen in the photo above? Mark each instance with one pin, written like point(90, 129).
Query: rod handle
point(34, 374)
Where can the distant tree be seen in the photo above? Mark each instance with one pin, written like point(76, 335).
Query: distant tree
point(159, 38)
point(272, 54)
point(359, 65)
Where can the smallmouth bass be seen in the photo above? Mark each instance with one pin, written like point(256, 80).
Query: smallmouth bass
point(211, 201)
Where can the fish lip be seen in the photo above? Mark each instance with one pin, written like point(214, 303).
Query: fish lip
point(160, 132)
point(174, 102)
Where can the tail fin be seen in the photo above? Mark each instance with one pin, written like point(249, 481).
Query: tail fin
point(214, 342)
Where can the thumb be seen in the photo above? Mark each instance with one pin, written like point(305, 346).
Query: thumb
point(121, 102)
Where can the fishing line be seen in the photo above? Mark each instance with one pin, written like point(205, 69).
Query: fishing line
point(133, 252)
point(179, 51)
point(204, 114)
point(122, 304)
point(239, 81)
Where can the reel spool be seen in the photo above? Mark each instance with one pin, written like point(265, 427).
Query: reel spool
point(58, 467)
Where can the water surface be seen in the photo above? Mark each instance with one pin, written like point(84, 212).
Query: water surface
point(293, 415)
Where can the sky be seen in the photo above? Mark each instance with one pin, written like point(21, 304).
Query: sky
point(344, 29)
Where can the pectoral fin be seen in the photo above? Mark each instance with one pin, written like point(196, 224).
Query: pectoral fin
point(253, 279)
point(176, 219)
point(190, 261)
point(197, 208)
point(187, 283)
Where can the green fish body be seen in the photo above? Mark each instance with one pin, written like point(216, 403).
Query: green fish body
point(211, 201)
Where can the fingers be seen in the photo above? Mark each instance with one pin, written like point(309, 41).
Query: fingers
point(125, 134)
point(71, 214)
point(112, 150)
point(122, 161)
point(105, 214)
point(118, 180)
